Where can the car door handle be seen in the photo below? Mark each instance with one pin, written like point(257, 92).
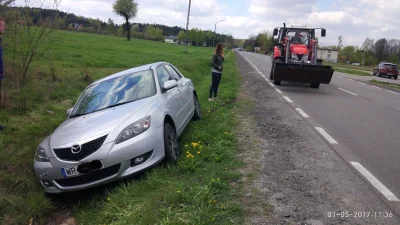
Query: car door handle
point(187, 83)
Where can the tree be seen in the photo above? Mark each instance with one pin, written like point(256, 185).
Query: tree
point(110, 26)
point(381, 48)
point(128, 10)
point(5, 3)
point(181, 36)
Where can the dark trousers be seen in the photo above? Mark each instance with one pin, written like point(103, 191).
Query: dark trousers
point(216, 78)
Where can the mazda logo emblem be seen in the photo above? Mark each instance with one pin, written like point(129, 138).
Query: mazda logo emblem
point(76, 149)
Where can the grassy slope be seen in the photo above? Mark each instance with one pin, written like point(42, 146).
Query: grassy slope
point(353, 72)
point(388, 84)
point(197, 190)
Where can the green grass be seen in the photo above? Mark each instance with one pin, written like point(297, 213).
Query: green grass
point(387, 84)
point(195, 191)
point(352, 72)
point(349, 66)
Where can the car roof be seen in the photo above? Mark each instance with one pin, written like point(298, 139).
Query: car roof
point(131, 70)
point(388, 63)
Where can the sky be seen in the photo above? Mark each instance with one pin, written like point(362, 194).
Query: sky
point(354, 20)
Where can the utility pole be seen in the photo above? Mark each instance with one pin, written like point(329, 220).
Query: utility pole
point(215, 31)
point(187, 26)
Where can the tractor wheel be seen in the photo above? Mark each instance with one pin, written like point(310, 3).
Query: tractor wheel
point(314, 85)
point(277, 82)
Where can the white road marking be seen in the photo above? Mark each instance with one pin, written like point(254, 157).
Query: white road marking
point(394, 92)
point(266, 79)
point(279, 91)
point(340, 76)
point(287, 99)
point(361, 82)
point(376, 87)
point(375, 182)
point(302, 113)
point(271, 84)
point(348, 91)
point(326, 135)
point(262, 75)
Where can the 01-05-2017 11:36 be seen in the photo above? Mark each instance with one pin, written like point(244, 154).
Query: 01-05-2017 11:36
point(360, 214)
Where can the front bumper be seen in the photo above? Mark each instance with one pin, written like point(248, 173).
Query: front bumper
point(117, 160)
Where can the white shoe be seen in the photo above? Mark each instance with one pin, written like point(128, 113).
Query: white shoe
point(210, 99)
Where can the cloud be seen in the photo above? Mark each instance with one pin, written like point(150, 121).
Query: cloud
point(354, 20)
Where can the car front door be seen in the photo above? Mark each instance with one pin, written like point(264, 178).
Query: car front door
point(171, 97)
point(187, 92)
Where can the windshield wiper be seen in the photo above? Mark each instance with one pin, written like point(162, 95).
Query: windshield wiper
point(110, 106)
point(76, 115)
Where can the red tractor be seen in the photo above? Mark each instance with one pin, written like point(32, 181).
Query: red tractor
point(295, 57)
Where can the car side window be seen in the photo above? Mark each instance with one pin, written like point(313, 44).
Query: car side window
point(172, 72)
point(162, 75)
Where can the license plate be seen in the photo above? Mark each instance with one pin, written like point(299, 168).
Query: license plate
point(70, 172)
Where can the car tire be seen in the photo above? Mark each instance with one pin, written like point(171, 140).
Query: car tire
point(277, 82)
point(171, 144)
point(314, 85)
point(395, 77)
point(197, 109)
point(378, 74)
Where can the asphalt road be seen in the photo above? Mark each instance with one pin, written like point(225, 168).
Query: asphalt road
point(364, 121)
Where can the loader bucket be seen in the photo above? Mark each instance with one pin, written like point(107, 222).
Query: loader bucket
point(302, 73)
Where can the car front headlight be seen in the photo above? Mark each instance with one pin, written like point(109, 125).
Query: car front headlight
point(40, 155)
point(134, 129)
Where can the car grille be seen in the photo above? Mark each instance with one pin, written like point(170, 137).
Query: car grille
point(90, 177)
point(86, 149)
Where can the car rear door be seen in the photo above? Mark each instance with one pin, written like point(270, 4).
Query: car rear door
point(171, 97)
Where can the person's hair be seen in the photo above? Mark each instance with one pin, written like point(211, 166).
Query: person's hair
point(219, 48)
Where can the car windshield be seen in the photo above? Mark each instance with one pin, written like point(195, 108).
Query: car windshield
point(116, 91)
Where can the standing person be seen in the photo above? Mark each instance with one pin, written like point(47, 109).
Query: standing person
point(217, 67)
point(2, 30)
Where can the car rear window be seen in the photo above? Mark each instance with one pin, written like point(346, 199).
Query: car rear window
point(390, 66)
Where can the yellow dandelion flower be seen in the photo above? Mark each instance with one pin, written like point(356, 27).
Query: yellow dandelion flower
point(187, 152)
point(192, 156)
point(187, 156)
point(194, 144)
point(201, 146)
point(186, 146)
point(225, 132)
point(198, 152)
point(108, 199)
point(179, 191)
point(212, 180)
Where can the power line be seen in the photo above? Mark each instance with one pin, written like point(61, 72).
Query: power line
point(199, 11)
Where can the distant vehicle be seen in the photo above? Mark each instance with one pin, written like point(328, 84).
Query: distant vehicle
point(355, 64)
point(386, 69)
point(120, 125)
point(240, 49)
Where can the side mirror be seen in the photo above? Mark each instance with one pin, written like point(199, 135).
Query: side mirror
point(275, 32)
point(170, 84)
point(323, 33)
point(69, 111)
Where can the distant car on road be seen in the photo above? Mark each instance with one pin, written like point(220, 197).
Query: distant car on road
point(386, 69)
point(122, 124)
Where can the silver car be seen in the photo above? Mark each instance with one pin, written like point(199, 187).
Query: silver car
point(120, 125)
